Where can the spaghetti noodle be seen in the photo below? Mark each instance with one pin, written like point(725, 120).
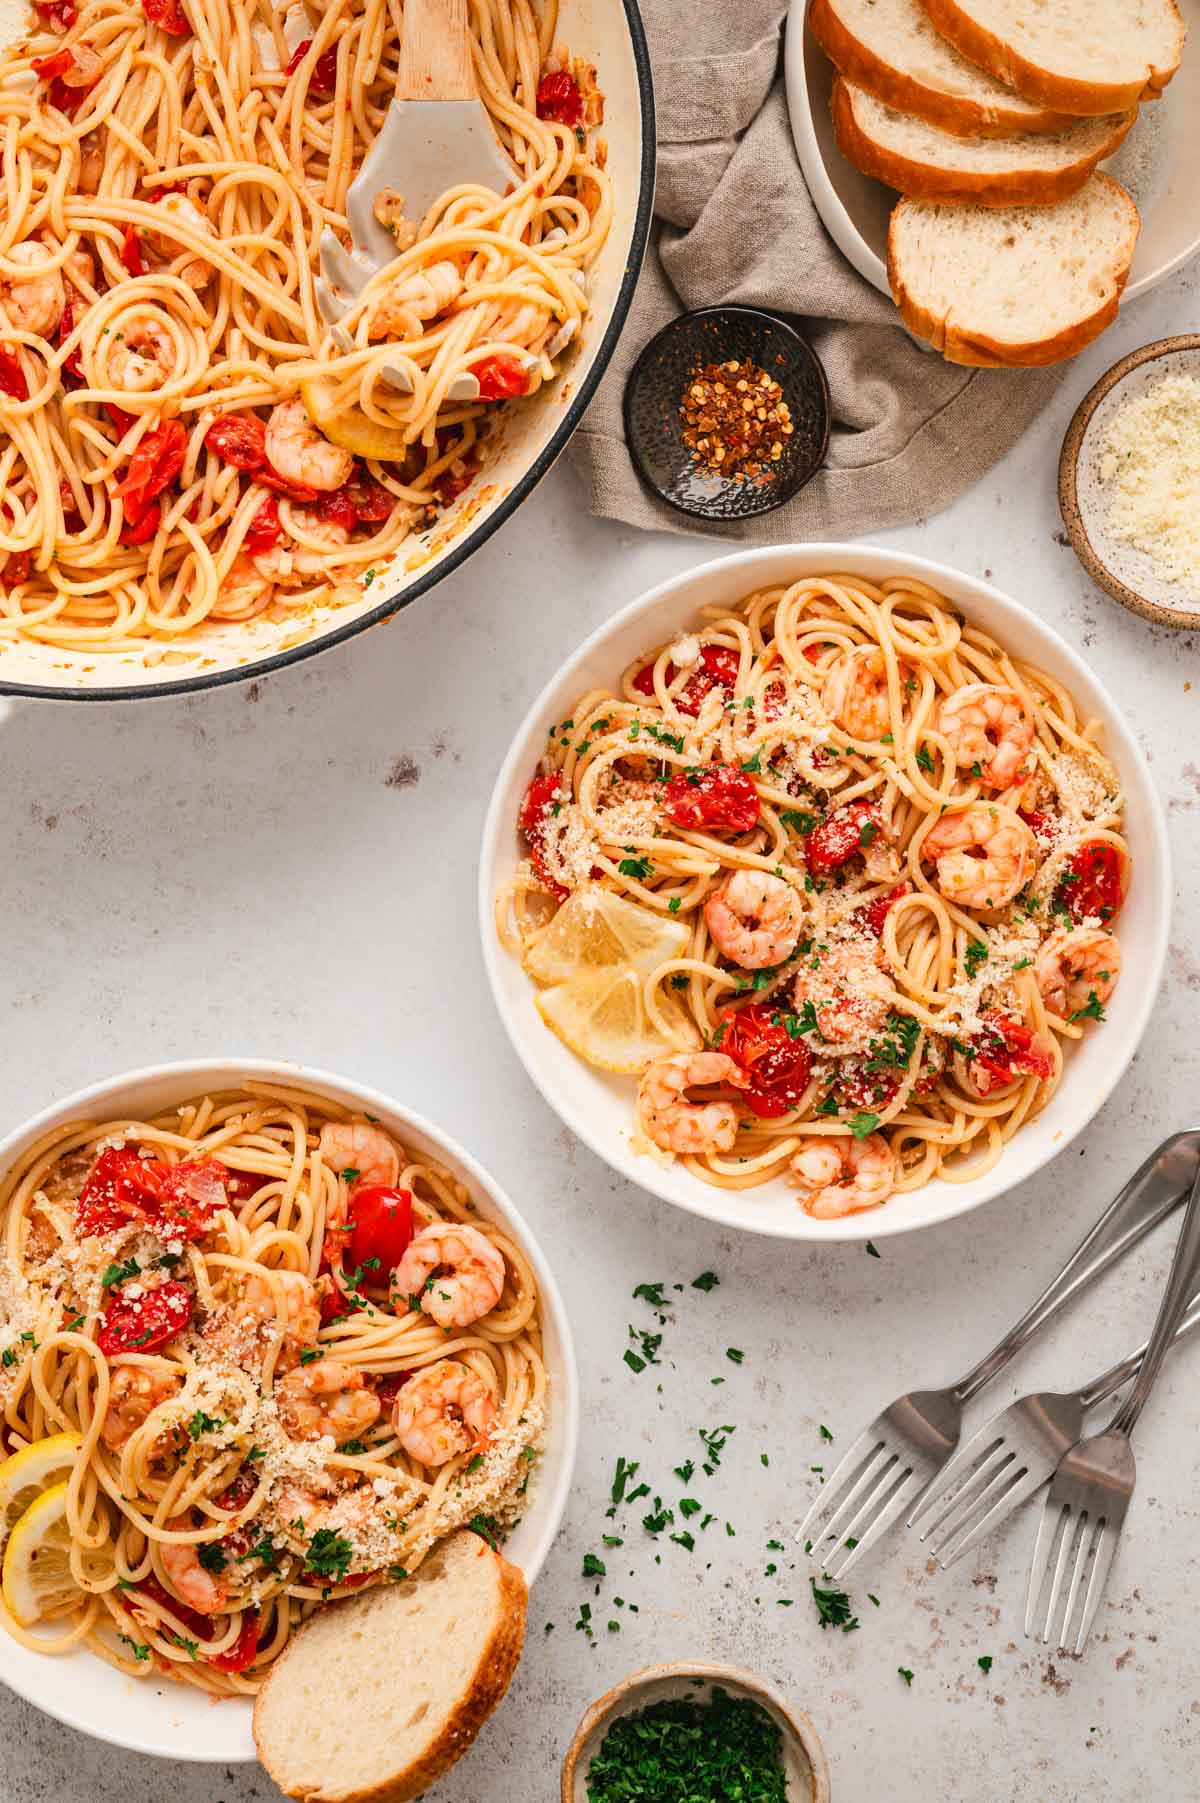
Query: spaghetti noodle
point(182, 439)
point(294, 1356)
point(835, 877)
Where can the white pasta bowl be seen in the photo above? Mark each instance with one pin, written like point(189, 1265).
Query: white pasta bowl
point(154, 1715)
point(600, 1108)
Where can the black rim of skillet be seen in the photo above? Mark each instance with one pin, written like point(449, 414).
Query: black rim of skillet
point(655, 388)
point(255, 668)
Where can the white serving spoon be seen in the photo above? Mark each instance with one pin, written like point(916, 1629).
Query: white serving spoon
point(437, 135)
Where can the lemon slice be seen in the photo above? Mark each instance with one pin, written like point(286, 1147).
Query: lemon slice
point(598, 932)
point(349, 427)
point(37, 1560)
point(602, 1016)
point(33, 1469)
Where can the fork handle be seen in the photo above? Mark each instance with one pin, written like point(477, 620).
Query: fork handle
point(435, 52)
point(1148, 1198)
point(1101, 1388)
point(1175, 1300)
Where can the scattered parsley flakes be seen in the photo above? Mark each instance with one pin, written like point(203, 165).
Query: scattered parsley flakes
point(905, 1674)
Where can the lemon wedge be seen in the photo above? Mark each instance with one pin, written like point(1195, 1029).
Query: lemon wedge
point(349, 427)
point(602, 1017)
point(596, 931)
point(37, 1560)
point(33, 1469)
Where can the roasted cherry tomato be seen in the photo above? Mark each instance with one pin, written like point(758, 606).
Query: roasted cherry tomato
point(241, 1654)
point(264, 530)
point(1043, 826)
point(381, 1226)
point(858, 1087)
point(147, 1322)
point(372, 502)
point(500, 377)
point(71, 368)
point(717, 668)
point(57, 15)
point(871, 916)
point(714, 798)
point(338, 509)
point(849, 830)
point(240, 439)
point(1091, 883)
point(190, 1618)
point(543, 792)
point(323, 79)
point(54, 66)
point(559, 99)
point(168, 15)
point(778, 1065)
point(130, 253)
point(12, 376)
point(388, 1385)
point(122, 1187)
point(1007, 1048)
point(17, 566)
point(153, 467)
point(141, 529)
point(115, 1191)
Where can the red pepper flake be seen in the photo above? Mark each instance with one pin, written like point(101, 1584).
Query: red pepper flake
point(736, 422)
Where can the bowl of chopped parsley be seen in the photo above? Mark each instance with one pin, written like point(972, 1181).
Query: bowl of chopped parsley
point(695, 1733)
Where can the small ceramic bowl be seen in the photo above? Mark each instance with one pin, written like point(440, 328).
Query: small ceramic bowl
point(654, 426)
point(803, 1755)
point(1126, 573)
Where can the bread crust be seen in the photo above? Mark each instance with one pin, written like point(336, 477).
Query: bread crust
point(977, 349)
point(1000, 59)
point(498, 1657)
point(928, 181)
point(965, 117)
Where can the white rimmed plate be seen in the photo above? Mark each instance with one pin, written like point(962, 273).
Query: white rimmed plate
point(599, 1108)
point(157, 1716)
point(1157, 163)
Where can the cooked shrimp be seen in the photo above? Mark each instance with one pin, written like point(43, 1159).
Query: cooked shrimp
point(855, 693)
point(36, 304)
point(133, 1394)
point(301, 1310)
point(201, 1589)
point(243, 592)
point(406, 301)
point(300, 453)
point(990, 727)
point(453, 1272)
point(838, 1174)
point(197, 272)
point(983, 855)
point(443, 1411)
point(847, 989)
point(754, 919)
point(143, 359)
point(326, 1398)
point(360, 1152)
point(678, 1125)
point(1076, 967)
point(289, 563)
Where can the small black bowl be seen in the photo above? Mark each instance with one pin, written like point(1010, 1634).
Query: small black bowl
point(654, 425)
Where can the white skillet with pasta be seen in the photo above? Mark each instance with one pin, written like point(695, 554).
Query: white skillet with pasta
point(860, 900)
point(190, 1401)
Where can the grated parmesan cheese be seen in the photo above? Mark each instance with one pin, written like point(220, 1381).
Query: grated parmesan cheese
point(1150, 459)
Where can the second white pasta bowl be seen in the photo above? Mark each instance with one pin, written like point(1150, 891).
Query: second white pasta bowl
point(599, 1108)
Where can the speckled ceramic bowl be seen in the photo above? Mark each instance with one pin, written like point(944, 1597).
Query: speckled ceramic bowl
point(1126, 573)
point(803, 1755)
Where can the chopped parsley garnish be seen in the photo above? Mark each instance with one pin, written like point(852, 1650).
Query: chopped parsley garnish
point(120, 1273)
point(594, 1567)
point(833, 1608)
point(673, 908)
point(475, 1463)
point(734, 1354)
point(924, 761)
point(487, 1528)
point(985, 1664)
point(905, 1674)
point(683, 1751)
point(863, 1123)
point(651, 1293)
point(637, 868)
point(754, 766)
point(824, 1432)
point(140, 1653)
point(1092, 1011)
point(311, 1354)
point(798, 820)
point(975, 954)
point(211, 1555)
point(201, 1423)
point(707, 1280)
point(872, 1249)
point(329, 1554)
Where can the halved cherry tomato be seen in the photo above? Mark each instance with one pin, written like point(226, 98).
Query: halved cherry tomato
point(1091, 883)
point(713, 798)
point(338, 509)
point(264, 530)
point(780, 1066)
point(12, 376)
point(153, 466)
point(58, 15)
point(1007, 1048)
point(131, 251)
point(192, 1619)
point(121, 1187)
point(57, 64)
point(1043, 826)
point(17, 566)
point(120, 419)
point(381, 1226)
point(168, 15)
point(147, 1322)
point(849, 830)
point(114, 1192)
point(500, 377)
point(71, 368)
point(858, 1087)
point(871, 916)
point(240, 1186)
point(371, 500)
point(388, 1385)
point(543, 793)
point(717, 668)
point(240, 439)
point(323, 79)
point(241, 1653)
point(559, 99)
point(141, 529)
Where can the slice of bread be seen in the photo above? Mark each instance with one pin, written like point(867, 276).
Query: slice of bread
point(377, 1696)
point(890, 48)
point(920, 160)
point(1015, 286)
point(1085, 56)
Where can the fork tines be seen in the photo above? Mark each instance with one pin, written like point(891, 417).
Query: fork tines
point(982, 1484)
point(870, 1487)
point(1085, 1546)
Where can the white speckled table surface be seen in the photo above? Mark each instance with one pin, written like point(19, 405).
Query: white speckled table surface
point(288, 868)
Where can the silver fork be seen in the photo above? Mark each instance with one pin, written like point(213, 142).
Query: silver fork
point(896, 1458)
point(1091, 1491)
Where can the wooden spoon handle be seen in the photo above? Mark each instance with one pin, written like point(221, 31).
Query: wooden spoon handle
point(435, 53)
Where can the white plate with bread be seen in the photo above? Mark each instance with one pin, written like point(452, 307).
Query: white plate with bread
point(1036, 190)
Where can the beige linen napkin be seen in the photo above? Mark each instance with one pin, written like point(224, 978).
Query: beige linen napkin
point(734, 222)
